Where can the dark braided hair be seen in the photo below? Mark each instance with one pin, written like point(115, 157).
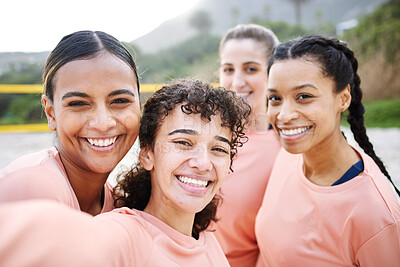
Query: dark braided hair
point(193, 97)
point(337, 62)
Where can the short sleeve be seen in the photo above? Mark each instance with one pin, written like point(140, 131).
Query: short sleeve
point(35, 182)
point(381, 250)
point(44, 233)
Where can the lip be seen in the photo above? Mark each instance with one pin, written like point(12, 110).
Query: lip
point(293, 133)
point(244, 95)
point(195, 190)
point(101, 148)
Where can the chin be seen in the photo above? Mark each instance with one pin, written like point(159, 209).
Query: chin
point(293, 149)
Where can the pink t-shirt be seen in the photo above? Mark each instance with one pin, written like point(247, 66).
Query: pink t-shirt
point(41, 175)
point(39, 233)
point(356, 223)
point(242, 194)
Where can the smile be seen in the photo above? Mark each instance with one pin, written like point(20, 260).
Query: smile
point(296, 131)
point(192, 182)
point(102, 142)
point(243, 95)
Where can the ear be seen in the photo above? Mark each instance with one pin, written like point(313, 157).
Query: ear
point(146, 157)
point(345, 98)
point(49, 111)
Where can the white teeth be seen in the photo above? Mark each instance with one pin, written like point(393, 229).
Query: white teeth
point(102, 142)
point(192, 182)
point(292, 132)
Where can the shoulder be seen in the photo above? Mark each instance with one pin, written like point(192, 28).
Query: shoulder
point(129, 219)
point(96, 243)
point(213, 248)
point(108, 198)
point(37, 175)
point(130, 229)
point(380, 187)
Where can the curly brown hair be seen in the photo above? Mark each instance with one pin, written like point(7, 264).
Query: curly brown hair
point(194, 97)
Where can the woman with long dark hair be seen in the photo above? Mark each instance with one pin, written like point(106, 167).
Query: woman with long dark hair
point(327, 203)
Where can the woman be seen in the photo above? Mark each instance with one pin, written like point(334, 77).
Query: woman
point(244, 52)
point(327, 203)
point(92, 103)
point(188, 136)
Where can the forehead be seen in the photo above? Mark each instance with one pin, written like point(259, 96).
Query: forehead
point(100, 72)
point(242, 49)
point(176, 119)
point(293, 72)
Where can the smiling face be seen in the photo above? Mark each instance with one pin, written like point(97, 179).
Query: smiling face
point(189, 162)
point(303, 108)
point(95, 111)
point(243, 70)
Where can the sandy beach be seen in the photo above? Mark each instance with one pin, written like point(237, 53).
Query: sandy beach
point(386, 144)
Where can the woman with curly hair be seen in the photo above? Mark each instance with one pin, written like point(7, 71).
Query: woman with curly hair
point(189, 134)
point(327, 203)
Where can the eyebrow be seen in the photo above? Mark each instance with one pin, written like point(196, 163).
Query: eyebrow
point(296, 87)
point(245, 63)
point(193, 132)
point(75, 93)
point(121, 91)
point(113, 93)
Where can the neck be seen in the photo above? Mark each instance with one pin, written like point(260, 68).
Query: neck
point(179, 220)
point(258, 122)
point(88, 186)
point(326, 163)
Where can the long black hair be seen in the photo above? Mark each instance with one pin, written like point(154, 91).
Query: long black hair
point(337, 62)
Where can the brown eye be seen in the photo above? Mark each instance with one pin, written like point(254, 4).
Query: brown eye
point(228, 70)
point(77, 103)
point(220, 149)
point(303, 96)
point(273, 98)
point(120, 101)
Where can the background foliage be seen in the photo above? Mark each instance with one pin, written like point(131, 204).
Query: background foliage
point(376, 41)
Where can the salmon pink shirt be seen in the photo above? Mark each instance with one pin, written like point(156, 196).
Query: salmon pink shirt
point(41, 175)
point(44, 233)
point(356, 223)
point(242, 194)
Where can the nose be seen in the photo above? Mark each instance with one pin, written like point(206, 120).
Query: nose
point(200, 160)
point(238, 81)
point(102, 119)
point(287, 112)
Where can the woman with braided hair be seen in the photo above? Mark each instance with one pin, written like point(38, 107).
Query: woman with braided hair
point(326, 203)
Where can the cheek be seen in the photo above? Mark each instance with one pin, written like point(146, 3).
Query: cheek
point(225, 80)
point(222, 169)
point(70, 122)
point(272, 112)
point(131, 121)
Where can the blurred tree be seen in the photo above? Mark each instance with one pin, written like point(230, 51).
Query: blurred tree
point(22, 73)
point(282, 30)
point(376, 42)
point(201, 21)
point(175, 62)
point(319, 16)
point(267, 12)
point(235, 12)
point(378, 31)
point(297, 6)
